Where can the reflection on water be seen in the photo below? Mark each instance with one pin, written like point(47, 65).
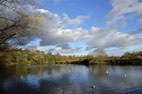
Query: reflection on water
point(71, 79)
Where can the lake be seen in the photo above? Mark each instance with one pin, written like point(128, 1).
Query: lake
point(71, 79)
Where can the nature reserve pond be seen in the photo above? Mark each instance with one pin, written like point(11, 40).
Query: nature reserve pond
point(72, 79)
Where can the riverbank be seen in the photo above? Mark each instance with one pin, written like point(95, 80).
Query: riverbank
point(11, 57)
point(108, 62)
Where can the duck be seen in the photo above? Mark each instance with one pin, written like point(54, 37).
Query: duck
point(94, 86)
point(107, 72)
point(125, 75)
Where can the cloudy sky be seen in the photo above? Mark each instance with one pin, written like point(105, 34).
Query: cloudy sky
point(77, 27)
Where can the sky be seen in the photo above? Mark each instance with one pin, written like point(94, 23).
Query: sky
point(77, 27)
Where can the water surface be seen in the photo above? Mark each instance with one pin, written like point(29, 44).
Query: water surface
point(72, 79)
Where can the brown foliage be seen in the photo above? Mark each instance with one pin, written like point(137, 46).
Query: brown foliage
point(16, 24)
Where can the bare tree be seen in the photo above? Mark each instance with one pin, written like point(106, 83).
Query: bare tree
point(98, 52)
point(16, 24)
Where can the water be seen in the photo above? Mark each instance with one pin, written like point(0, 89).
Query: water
point(72, 79)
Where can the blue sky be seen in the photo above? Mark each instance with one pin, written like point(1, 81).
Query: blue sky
point(73, 8)
point(77, 27)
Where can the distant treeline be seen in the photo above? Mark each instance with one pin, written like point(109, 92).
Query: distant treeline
point(129, 58)
point(11, 56)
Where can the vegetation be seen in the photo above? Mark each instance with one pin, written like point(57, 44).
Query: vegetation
point(18, 27)
point(133, 58)
point(10, 56)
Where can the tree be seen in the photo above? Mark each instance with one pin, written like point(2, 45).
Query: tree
point(49, 53)
point(98, 52)
point(127, 55)
point(16, 24)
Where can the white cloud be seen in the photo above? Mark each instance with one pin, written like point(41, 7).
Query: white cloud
point(65, 51)
point(56, 30)
point(121, 7)
point(106, 38)
point(52, 31)
point(140, 20)
point(121, 11)
point(116, 19)
point(76, 21)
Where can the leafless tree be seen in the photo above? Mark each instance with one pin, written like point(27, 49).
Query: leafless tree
point(16, 24)
point(98, 52)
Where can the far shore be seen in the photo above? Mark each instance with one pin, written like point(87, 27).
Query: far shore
point(109, 62)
